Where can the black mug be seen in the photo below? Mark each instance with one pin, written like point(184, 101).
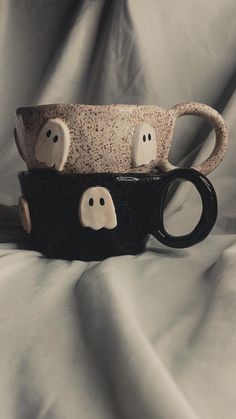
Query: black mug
point(98, 215)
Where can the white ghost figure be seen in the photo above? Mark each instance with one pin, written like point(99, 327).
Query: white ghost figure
point(53, 144)
point(25, 214)
point(144, 147)
point(96, 209)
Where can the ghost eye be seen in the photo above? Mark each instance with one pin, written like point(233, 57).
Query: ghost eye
point(102, 201)
point(144, 138)
point(91, 202)
point(55, 139)
point(48, 133)
point(149, 137)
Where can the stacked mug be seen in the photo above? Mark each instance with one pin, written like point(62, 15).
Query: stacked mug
point(98, 176)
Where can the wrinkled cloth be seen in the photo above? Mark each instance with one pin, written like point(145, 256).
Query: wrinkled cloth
point(147, 336)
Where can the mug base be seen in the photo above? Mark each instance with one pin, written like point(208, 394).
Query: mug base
point(65, 251)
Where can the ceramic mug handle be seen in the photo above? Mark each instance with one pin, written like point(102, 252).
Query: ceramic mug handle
point(216, 121)
point(209, 209)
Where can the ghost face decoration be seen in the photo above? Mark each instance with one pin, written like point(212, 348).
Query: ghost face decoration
point(53, 144)
point(144, 147)
point(96, 209)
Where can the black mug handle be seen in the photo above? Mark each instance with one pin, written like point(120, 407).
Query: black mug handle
point(209, 209)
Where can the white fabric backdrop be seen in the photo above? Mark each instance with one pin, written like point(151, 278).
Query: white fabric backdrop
point(96, 51)
point(150, 336)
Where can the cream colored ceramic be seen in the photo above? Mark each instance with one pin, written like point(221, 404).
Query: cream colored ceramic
point(96, 209)
point(25, 214)
point(108, 138)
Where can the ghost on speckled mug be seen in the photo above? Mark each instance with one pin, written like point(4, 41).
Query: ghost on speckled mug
point(108, 138)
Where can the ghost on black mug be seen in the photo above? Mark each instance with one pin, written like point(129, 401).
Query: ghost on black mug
point(97, 215)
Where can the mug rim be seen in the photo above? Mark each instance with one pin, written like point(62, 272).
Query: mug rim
point(52, 173)
point(105, 106)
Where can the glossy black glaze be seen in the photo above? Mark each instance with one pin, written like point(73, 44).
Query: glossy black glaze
point(53, 200)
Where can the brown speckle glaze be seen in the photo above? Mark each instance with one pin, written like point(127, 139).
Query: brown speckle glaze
point(101, 136)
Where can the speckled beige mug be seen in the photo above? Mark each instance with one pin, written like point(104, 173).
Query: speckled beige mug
point(108, 138)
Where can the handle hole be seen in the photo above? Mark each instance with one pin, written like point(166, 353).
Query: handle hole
point(190, 132)
point(183, 208)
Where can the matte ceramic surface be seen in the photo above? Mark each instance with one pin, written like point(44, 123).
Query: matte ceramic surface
point(96, 209)
point(53, 144)
point(108, 138)
point(144, 146)
point(94, 216)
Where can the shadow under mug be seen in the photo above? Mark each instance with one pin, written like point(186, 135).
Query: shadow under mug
point(95, 216)
point(109, 138)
